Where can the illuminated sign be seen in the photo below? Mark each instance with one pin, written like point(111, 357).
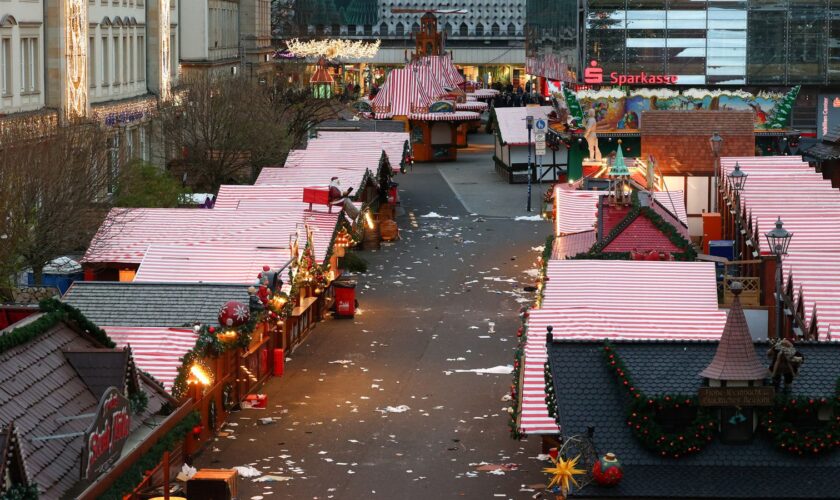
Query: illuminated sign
point(828, 114)
point(104, 439)
point(594, 75)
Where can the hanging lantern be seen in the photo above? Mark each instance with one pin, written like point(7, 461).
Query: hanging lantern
point(228, 336)
point(607, 471)
point(234, 314)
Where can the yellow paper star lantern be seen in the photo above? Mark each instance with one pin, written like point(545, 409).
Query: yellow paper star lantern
point(563, 473)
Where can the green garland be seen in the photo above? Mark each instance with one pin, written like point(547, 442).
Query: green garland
point(138, 401)
point(134, 475)
point(550, 395)
point(597, 251)
point(641, 415)
point(515, 392)
point(545, 256)
point(54, 312)
point(20, 492)
point(779, 425)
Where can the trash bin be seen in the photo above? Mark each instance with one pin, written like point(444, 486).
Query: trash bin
point(345, 298)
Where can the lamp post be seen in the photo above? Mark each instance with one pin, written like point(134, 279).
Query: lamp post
point(715, 143)
point(529, 124)
point(779, 240)
point(737, 179)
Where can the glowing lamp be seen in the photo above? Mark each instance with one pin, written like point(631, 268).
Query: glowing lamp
point(228, 336)
point(369, 220)
point(200, 376)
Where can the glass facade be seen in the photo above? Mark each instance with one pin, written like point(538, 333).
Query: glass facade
point(552, 28)
point(717, 42)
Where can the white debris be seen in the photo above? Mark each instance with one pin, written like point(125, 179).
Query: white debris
point(534, 218)
point(394, 409)
point(340, 362)
point(500, 370)
point(247, 471)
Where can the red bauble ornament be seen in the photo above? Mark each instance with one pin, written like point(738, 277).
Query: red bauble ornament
point(608, 471)
point(234, 314)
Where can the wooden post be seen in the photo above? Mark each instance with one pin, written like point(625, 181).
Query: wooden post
point(166, 475)
point(768, 287)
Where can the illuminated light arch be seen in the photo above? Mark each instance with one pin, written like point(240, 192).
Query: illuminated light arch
point(164, 55)
point(75, 57)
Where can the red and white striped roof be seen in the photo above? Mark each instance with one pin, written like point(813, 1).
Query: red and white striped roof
point(443, 69)
point(427, 80)
point(788, 187)
point(598, 299)
point(393, 143)
point(512, 129)
point(307, 177)
point(127, 241)
point(457, 116)
point(401, 94)
point(156, 350)
point(569, 245)
point(213, 263)
point(576, 210)
point(471, 106)
point(483, 93)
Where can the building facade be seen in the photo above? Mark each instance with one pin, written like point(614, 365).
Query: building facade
point(226, 37)
point(729, 42)
point(488, 38)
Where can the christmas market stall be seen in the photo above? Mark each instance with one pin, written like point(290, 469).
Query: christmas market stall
point(395, 144)
point(785, 192)
point(80, 418)
point(515, 144)
point(694, 416)
point(614, 299)
point(433, 125)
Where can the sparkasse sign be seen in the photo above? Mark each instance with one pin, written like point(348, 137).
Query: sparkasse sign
point(104, 439)
point(594, 75)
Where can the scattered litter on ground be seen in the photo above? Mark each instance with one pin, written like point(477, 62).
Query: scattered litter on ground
point(247, 471)
point(500, 370)
point(393, 409)
point(271, 479)
point(533, 218)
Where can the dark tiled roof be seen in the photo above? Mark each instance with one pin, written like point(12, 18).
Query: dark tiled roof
point(99, 369)
point(588, 396)
point(152, 304)
point(37, 387)
point(823, 151)
point(364, 125)
point(735, 357)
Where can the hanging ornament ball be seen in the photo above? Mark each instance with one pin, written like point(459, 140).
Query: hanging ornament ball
point(211, 329)
point(234, 313)
point(607, 471)
point(266, 268)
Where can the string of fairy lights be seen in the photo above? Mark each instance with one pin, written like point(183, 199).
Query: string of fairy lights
point(334, 48)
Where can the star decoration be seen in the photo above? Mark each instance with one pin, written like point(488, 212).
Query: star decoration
point(563, 473)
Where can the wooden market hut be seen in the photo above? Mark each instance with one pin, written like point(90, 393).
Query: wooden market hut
point(433, 125)
point(58, 370)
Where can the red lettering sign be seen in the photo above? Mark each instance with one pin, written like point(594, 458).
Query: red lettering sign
point(594, 75)
point(106, 436)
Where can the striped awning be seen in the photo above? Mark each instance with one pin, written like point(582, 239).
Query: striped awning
point(443, 69)
point(214, 263)
point(471, 106)
point(394, 144)
point(156, 350)
point(598, 299)
point(569, 245)
point(426, 79)
point(788, 187)
point(400, 93)
point(457, 116)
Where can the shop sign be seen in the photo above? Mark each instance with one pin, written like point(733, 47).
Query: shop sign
point(106, 436)
point(594, 75)
point(828, 113)
point(736, 396)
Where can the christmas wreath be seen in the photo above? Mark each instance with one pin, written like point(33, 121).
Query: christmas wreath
point(780, 424)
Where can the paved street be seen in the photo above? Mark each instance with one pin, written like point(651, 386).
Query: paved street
point(375, 407)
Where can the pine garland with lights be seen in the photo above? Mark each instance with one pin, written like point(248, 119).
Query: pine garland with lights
point(641, 415)
point(542, 260)
point(550, 396)
point(515, 386)
point(54, 311)
point(20, 492)
point(779, 424)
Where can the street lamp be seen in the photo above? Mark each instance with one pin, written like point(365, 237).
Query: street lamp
point(779, 240)
point(715, 143)
point(737, 179)
point(529, 124)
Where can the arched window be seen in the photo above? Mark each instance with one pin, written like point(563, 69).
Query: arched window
point(495, 30)
point(368, 30)
point(511, 29)
point(463, 30)
point(351, 29)
point(383, 29)
point(479, 29)
point(415, 28)
point(400, 30)
point(447, 28)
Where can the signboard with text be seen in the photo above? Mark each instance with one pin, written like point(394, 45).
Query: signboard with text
point(736, 396)
point(828, 113)
point(107, 434)
point(594, 75)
